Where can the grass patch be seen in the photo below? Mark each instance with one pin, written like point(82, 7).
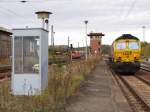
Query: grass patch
point(64, 81)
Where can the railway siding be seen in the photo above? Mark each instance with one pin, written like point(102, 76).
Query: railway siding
point(136, 88)
point(134, 104)
point(140, 88)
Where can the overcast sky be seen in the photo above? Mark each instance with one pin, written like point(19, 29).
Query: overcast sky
point(111, 17)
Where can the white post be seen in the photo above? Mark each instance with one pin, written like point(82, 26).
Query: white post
point(143, 33)
point(52, 35)
point(43, 23)
point(86, 49)
point(68, 41)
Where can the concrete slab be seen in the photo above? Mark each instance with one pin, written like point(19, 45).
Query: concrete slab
point(99, 93)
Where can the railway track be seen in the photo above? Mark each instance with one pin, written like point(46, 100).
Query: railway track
point(136, 91)
point(145, 67)
point(139, 88)
point(5, 73)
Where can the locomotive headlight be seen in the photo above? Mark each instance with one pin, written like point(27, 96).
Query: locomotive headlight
point(136, 59)
point(118, 59)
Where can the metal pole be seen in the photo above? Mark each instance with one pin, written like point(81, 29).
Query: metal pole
point(52, 40)
point(43, 23)
point(22, 40)
point(143, 33)
point(86, 49)
point(68, 41)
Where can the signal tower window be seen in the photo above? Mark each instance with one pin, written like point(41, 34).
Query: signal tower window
point(120, 45)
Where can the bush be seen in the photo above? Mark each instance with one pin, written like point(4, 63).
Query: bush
point(64, 81)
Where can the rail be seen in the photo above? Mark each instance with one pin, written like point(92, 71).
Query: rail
point(145, 67)
point(135, 90)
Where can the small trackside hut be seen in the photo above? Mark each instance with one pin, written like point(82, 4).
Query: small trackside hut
point(30, 61)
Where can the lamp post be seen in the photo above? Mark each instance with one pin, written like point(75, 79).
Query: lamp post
point(86, 49)
point(143, 27)
point(52, 36)
point(68, 41)
point(44, 15)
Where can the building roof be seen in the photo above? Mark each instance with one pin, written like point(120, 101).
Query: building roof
point(2, 29)
point(96, 34)
point(30, 29)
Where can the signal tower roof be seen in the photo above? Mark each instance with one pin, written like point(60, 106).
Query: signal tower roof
point(96, 34)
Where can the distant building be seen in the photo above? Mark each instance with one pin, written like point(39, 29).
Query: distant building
point(95, 43)
point(5, 45)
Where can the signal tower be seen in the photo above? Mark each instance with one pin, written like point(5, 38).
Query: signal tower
point(95, 43)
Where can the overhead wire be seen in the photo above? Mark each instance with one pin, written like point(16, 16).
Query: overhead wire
point(131, 8)
point(127, 11)
point(29, 5)
point(122, 10)
point(24, 1)
point(7, 11)
point(12, 12)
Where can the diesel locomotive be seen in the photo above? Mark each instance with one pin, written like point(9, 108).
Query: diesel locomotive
point(125, 54)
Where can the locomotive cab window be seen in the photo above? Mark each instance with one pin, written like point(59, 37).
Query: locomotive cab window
point(121, 45)
point(133, 45)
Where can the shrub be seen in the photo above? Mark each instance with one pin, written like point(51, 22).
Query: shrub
point(64, 81)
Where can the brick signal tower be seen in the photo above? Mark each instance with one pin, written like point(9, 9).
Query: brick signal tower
point(95, 43)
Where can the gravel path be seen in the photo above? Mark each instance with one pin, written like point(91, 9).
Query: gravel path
point(99, 93)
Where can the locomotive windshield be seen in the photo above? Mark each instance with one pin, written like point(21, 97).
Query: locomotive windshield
point(133, 45)
point(120, 45)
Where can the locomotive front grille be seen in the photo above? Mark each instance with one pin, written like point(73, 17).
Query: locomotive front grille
point(127, 53)
point(127, 56)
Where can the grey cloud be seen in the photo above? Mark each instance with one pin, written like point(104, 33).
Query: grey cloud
point(103, 15)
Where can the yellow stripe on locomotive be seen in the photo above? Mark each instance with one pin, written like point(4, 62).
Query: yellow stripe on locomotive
point(127, 50)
